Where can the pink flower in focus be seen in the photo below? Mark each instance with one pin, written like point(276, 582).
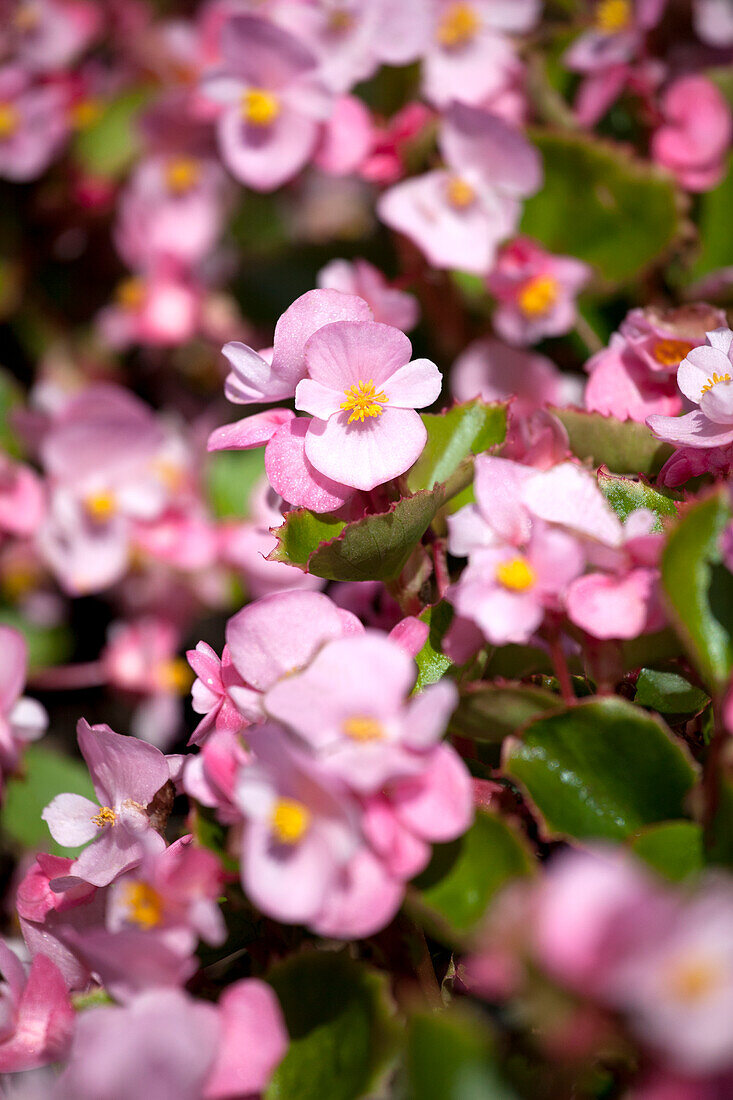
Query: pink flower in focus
point(458, 215)
point(127, 774)
point(389, 305)
point(209, 694)
point(535, 291)
point(37, 1015)
point(705, 377)
point(695, 137)
point(21, 719)
point(362, 391)
point(272, 100)
point(32, 124)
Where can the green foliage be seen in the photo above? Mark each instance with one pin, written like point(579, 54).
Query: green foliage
point(714, 225)
point(491, 712)
point(432, 663)
point(602, 768)
point(669, 693)
point(11, 396)
point(373, 548)
point(45, 773)
point(599, 204)
point(452, 894)
point(449, 1057)
point(673, 849)
point(454, 435)
point(110, 145)
point(626, 495)
point(230, 479)
point(699, 588)
point(342, 1032)
point(624, 446)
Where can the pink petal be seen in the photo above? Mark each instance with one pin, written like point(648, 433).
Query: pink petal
point(609, 606)
point(14, 649)
point(121, 767)
point(252, 431)
point(290, 885)
point(252, 379)
point(364, 899)
point(264, 158)
point(692, 430)
point(316, 399)
point(293, 476)
point(305, 316)
point(415, 385)
point(346, 352)
point(253, 1040)
point(69, 819)
point(439, 806)
point(366, 454)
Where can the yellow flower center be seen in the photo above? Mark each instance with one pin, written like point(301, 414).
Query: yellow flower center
point(460, 193)
point(259, 107)
point(9, 120)
point(175, 675)
point(362, 400)
point(693, 980)
point(18, 580)
point(459, 25)
point(516, 574)
point(144, 905)
point(290, 820)
point(130, 294)
point(613, 16)
point(182, 175)
point(340, 21)
point(538, 295)
point(100, 506)
point(671, 352)
point(360, 727)
point(714, 382)
point(106, 816)
point(26, 18)
point(84, 113)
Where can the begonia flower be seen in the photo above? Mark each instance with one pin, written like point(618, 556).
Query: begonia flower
point(47, 35)
point(37, 1015)
point(209, 694)
point(694, 139)
point(713, 22)
point(389, 305)
point(362, 391)
point(253, 1040)
point(705, 377)
point(22, 498)
point(32, 124)
point(127, 774)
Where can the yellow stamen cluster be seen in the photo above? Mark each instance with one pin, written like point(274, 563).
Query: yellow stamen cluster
point(538, 295)
point(9, 120)
point(144, 905)
point(84, 113)
point(362, 400)
point(460, 193)
point(182, 175)
point(459, 25)
point(516, 574)
point(693, 980)
point(714, 382)
point(175, 675)
point(360, 727)
point(130, 294)
point(105, 817)
point(340, 21)
point(259, 108)
point(613, 16)
point(671, 352)
point(290, 820)
point(100, 506)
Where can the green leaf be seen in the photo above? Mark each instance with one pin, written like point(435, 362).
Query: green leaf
point(491, 712)
point(699, 588)
point(599, 204)
point(230, 479)
point(449, 1056)
point(110, 145)
point(46, 773)
point(373, 548)
point(669, 693)
point(341, 1026)
point(452, 894)
point(600, 769)
point(714, 228)
point(432, 663)
point(454, 435)
point(11, 396)
point(47, 645)
point(673, 848)
point(624, 446)
point(719, 830)
point(626, 495)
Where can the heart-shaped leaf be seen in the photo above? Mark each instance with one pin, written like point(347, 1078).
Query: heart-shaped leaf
point(491, 712)
point(669, 693)
point(673, 849)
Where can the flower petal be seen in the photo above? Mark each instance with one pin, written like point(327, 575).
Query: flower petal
point(366, 454)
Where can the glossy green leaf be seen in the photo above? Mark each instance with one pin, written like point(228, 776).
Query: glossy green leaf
point(449, 1056)
point(600, 769)
point(699, 588)
point(341, 1027)
point(11, 396)
point(626, 495)
point(624, 446)
point(454, 435)
point(491, 712)
point(230, 479)
point(601, 205)
point(714, 225)
point(673, 848)
point(45, 773)
point(432, 663)
point(110, 145)
point(669, 693)
point(373, 548)
point(718, 839)
point(452, 894)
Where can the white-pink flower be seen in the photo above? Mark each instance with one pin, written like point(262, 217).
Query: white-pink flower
point(705, 377)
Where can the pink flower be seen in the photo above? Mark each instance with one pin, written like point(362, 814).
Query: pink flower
point(21, 719)
point(210, 692)
point(127, 774)
point(713, 22)
point(37, 1015)
point(362, 391)
point(32, 124)
point(695, 137)
point(273, 102)
point(458, 215)
point(253, 1040)
point(349, 708)
point(346, 139)
point(48, 35)
point(705, 378)
point(386, 162)
point(22, 498)
point(389, 306)
point(160, 307)
point(535, 291)
point(496, 372)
